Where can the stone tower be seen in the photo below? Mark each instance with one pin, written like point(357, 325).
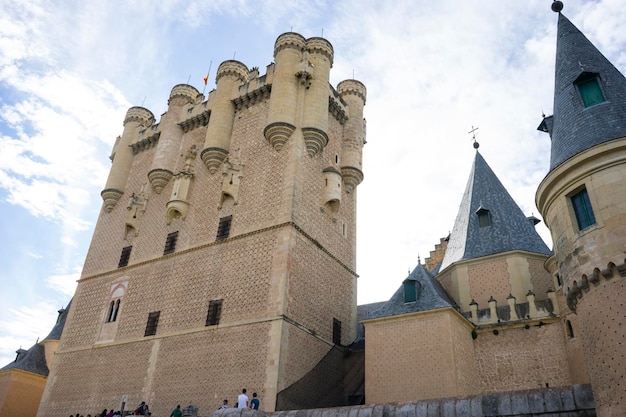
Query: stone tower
point(224, 254)
point(583, 201)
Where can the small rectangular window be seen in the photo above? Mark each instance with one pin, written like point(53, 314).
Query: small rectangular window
point(125, 256)
point(410, 291)
point(151, 325)
point(223, 230)
point(590, 92)
point(336, 331)
point(170, 243)
point(215, 311)
point(582, 209)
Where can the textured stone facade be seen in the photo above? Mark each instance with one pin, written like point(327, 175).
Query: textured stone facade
point(203, 208)
point(20, 393)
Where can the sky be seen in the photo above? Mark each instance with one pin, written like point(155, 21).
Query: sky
point(434, 70)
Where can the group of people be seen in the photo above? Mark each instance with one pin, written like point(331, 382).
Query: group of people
point(243, 401)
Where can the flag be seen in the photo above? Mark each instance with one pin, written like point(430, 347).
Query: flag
point(206, 79)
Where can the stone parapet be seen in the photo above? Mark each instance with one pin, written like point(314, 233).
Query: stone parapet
point(570, 401)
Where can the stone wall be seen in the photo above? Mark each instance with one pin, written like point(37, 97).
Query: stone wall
point(570, 401)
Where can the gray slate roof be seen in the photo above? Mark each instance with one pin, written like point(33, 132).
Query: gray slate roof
point(34, 359)
point(430, 296)
point(510, 229)
point(574, 128)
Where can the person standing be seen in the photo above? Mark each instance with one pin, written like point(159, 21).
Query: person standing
point(176, 412)
point(242, 400)
point(254, 403)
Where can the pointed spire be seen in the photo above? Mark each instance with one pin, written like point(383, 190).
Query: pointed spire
point(489, 221)
point(589, 96)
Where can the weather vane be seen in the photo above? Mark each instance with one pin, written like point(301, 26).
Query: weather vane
point(473, 132)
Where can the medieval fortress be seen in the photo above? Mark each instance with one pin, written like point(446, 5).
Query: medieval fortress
point(224, 256)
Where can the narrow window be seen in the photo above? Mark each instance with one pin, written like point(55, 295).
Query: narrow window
point(151, 325)
point(223, 229)
point(110, 314)
point(582, 209)
point(484, 219)
point(336, 331)
point(116, 310)
point(125, 256)
point(170, 243)
point(215, 311)
point(590, 91)
point(570, 329)
point(559, 281)
point(410, 291)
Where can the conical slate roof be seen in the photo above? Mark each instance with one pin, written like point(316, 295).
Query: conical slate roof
point(508, 228)
point(574, 128)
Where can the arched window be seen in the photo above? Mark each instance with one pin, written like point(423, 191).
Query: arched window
point(116, 309)
point(570, 329)
point(110, 313)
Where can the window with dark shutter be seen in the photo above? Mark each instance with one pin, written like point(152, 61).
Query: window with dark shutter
point(410, 291)
point(151, 325)
point(582, 209)
point(125, 256)
point(170, 243)
point(215, 311)
point(223, 230)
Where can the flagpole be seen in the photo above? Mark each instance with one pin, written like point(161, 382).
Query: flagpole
point(206, 78)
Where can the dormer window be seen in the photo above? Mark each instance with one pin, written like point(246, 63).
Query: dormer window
point(589, 88)
point(410, 291)
point(484, 218)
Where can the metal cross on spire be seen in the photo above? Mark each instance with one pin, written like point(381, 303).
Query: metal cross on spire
point(473, 132)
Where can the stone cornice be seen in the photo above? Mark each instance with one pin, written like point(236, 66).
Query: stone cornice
point(196, 121)
point(145, 144)
point(252, 97)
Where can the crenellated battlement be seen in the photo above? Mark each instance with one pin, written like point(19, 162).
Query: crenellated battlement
point(140, 115)
point(322, 47)
point(289, 40)
point(232, 68)
point(188, 93)
point(352, 87)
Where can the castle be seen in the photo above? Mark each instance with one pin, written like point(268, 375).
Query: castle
point(225, 252)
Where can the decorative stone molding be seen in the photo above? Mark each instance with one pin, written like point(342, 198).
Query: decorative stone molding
point(140, 115)
point(315, 140)
point(232, 172)
point(289, 40)
point(146, 143)
point(196, 121)
point(581, 286)
point(252, 97)
point(136, 207)
point(234, 69)
point(185, 92)
point(159, 179)
point(337, 110)
point(213, 158)
point(351, 177)
point(110, 196)
point(320, 46)
point(278, 133)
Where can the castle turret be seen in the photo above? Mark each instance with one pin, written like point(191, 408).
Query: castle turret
point(164, 161)
point(354, 93)
point(122, 155)
point(583, 202)
point(317, 60)
point(282, 112)
point(230, 75)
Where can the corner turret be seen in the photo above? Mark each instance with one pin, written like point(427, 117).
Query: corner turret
point(122, 155)
point(354, 93)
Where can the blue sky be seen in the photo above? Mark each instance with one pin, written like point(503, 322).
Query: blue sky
point(70, 70)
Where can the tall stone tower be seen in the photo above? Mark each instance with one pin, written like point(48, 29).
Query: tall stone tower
point(583, 201)
point(224, 254)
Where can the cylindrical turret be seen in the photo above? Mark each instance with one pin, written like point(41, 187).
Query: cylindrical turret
point(230, 75)
point(166, 153)
point(315, 120)
point(122, 155)
point(353, 92)
point(282, 112)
